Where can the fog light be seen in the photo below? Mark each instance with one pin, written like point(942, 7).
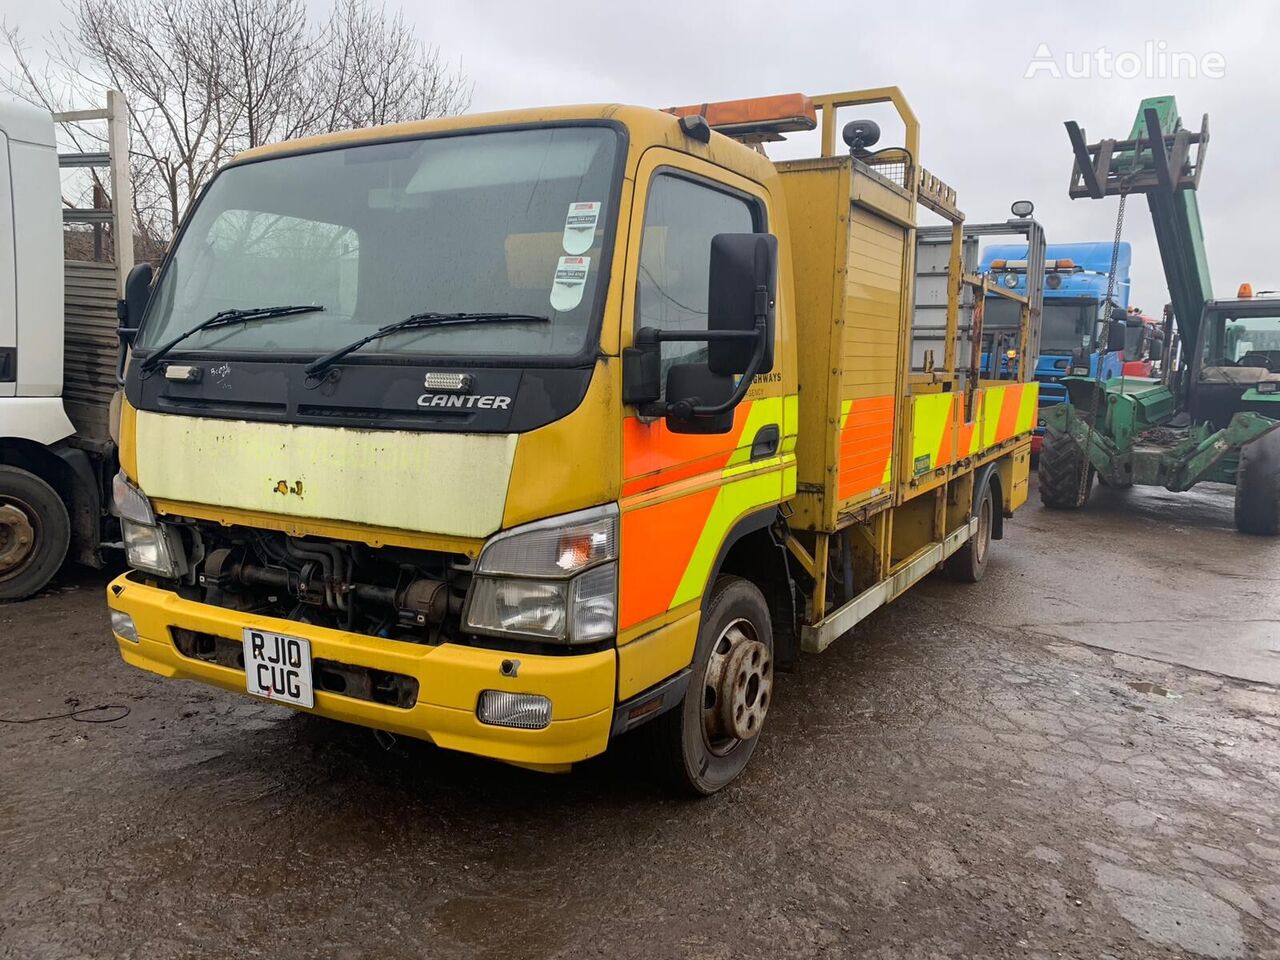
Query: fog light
point(122, 626)
point(526, 711)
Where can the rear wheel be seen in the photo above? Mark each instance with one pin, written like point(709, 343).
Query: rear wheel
point(34, 533)
point(969, 563)
point(1065, 480)
point(703, 744)
point(1257, 507)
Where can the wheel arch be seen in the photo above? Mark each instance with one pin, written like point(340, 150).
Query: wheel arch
point(989, 475)
point(751, 551)
point(71, 474)
point(35, 458)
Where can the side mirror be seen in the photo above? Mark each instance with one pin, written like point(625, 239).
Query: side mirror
point(1116, 336)
point(129, 311)
point(694, 385)
point(137, 293)
point(741, 291)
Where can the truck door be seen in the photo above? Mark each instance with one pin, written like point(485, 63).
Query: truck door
point(682, 494)
point(8, 280)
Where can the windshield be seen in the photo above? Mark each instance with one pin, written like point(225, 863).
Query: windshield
point(1242, 340)
point(509, 222)
point(1065, 327)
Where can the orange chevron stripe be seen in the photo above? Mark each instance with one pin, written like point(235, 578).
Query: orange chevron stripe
point(945, 448)
point(964, 443)
point(653, 456)
point(866, 443)
point(1010, 400)
point(656, 545)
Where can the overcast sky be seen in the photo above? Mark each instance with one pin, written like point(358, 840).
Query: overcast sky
point(990, 132)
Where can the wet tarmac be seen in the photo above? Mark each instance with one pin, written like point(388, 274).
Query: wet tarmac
point(1076, 758)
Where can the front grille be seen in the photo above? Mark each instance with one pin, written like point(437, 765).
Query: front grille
point(331, 676)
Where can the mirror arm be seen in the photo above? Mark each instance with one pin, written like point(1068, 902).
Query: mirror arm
point(647, 336)
point(691, 407)
point(739, 391)
point(650, 337)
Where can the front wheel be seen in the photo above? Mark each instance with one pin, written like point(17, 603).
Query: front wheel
point(1064, 478)
point(703, 744)
point(34, 533)
point(1257, 506)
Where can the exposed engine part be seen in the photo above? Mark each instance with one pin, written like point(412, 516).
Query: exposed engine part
point(393, 592)
point(324, 580)
point(427, 600)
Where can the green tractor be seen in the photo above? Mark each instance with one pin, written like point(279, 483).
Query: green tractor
point(1213, 415)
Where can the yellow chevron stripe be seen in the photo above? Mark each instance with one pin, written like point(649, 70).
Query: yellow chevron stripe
point(930, 417)
point(1027, 409)
point(734, 500)
point(765, 411)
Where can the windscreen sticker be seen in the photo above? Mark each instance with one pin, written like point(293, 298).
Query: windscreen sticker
point(570, 282)
point(580, 226)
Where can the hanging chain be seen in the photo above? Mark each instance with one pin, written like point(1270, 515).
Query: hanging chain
point(1115, 251)
point(1086, 467)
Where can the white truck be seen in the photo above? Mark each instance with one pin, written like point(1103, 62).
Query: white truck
point(58, 339)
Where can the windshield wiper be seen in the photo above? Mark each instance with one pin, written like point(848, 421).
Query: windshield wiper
point(414, 322)
point(225, 318)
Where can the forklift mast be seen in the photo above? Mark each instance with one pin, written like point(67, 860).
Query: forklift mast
point(1164, 160)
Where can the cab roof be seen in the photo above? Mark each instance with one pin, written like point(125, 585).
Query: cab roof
point(23, 122)
point(646, 127)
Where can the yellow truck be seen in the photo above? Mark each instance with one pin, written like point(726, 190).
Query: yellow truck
point(517, 432)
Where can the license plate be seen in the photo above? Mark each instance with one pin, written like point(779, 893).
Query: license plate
point(278, 667)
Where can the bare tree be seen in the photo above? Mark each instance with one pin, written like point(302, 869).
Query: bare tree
point(376, 70)
point(207, 78)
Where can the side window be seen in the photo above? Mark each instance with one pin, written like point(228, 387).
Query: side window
point(680, 219)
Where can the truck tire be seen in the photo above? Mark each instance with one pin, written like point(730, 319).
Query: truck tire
point(1257, 506)
point(703, 744)
point(969, 563)
point(1061, 462)
point(35, 531)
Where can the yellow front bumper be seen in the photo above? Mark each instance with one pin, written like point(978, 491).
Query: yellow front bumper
point(450, 678)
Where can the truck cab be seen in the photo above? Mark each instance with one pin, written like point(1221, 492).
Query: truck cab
point(1073, 317)
point(1237, 365)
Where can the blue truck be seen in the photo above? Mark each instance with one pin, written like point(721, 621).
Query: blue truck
point(1075, 290)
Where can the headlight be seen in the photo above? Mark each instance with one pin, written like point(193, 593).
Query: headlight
point(555, 580)
point(529, 607)
point(147, 548)
point(129, 502)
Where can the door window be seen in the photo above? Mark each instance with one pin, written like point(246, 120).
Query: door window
point(681, 217)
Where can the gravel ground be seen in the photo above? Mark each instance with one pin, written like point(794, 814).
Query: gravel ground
point(1077, 757)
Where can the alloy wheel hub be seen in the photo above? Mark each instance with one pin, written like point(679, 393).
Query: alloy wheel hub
point(737, 688)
